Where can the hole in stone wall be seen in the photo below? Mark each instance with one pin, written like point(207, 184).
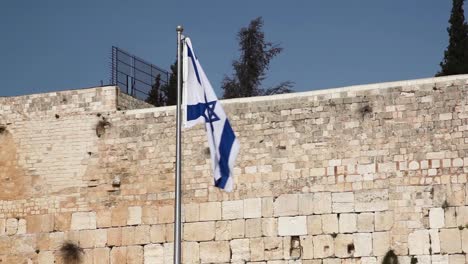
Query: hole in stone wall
point(414, 260)
point(71, 253)
point(390, 258)
point(350, 248)
point(206, 151)
point(295, 250)
point(365, 110)
point(57, 116)
point(2, 129)
point(281, 147)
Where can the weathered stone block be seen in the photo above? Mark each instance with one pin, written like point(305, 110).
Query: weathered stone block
point(450, 241)
point(215, 252)
point(199, 231)
point(330, 223)
point(149, 215)
point(362, 244)
point(119, 218)
point(83, 220)
point(323, 246)
point(292, 226)
point(153, 254)
point(190, 252)
point(365, 222)
point(101, 255)
point(306, 203)
point(273, 248)
point(348, 223)
point(270, 227)
point(210, 211)
point(240, 249)
point(114, 236)
point(233, 209)
point(134, 255)
point(253, 227)
point(323, 203)
point(383, 221)
point(314, 224)
point(371, 200)
point(344, 246)
point(253, 208)
point(436, 218)
point(381, 243)
point(418, 242)
point(134, 215)
point(257, 249)
point(286, 205)
point(307, 247)
point(191, 212)
point(166, 214)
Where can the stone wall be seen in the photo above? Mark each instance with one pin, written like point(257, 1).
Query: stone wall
point(334, 176)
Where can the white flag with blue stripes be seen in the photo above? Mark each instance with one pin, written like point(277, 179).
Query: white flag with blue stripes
point(202, 106)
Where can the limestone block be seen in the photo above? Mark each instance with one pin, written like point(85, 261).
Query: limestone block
point(342, 207)
point(257, 249)
point(292, 226)
point(348, 223)
point(56, 240)
point(286, 205)
point(381, 243)
point(142, 234)
point(23, 245)
point(307, 247)
point(371, 200)
point(153, 254)
point(191, 212)
point(454, 259)
point(215, 252)
point(190, 252)
point(128, 235)
point(253, 208)
point(343, 197)
point(169, 253)
point(223, 230)
point(323, 246)
point(166, 214)
point(199, 231)
point(2, 227)
point(362, 244)
point(103, 218)
point(323, 203)
point(118, 255)
point(11, 226)
point(306, 204)
point(134, 215)
point(40, 223)
point(149, 215)
point(370, 260)
point(270, 227)
point(333, 261)
point(62, 221)
point(210, 211)
point(240, 249)
point(418, 242)
point(435, 240)
point(101, 255)
point(233, 209)
point(93, 238)
point(238, 228)
point(21, 227)
point(114, 236)
point(344, 247)
point(253, 227)
point(383, 221)
point(46, 257)
point(436, 218)
point(450, 241)
point(330, 223)
point(83, 220)
point(365, 222)
point(273, 248)
point(267, 206)
point(314, 225)
point(134, 255)
point(158, 234)
point(119, 218)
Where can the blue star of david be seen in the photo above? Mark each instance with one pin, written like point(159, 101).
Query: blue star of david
point(209, 114)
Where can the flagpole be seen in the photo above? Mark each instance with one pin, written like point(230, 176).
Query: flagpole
point(178, 178)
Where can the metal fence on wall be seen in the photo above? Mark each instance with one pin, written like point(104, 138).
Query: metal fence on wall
point(133, 75)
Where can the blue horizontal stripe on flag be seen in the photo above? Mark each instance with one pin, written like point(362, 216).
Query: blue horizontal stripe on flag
point(195, 111)
point(225, 146)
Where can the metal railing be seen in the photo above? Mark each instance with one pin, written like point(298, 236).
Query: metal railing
point(135, 76)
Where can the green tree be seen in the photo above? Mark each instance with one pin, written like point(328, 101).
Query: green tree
point(250, 69)
point(456, 55)
point(170, 89)
point(156, 95)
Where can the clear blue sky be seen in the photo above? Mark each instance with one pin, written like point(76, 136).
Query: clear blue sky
point(52, 45)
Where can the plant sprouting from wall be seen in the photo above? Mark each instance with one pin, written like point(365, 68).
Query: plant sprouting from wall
point(71, 253)
point(390, 258)
point(101, 127)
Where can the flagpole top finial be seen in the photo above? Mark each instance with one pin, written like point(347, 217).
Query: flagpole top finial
point(179, 28)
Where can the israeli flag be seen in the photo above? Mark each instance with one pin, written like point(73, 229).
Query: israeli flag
point(202, 106)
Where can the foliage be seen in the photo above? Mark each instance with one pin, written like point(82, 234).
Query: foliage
point(456, 55)
point(250, 69)
point(71, 253)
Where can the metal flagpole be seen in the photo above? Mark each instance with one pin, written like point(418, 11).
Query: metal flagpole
point(178, 178)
